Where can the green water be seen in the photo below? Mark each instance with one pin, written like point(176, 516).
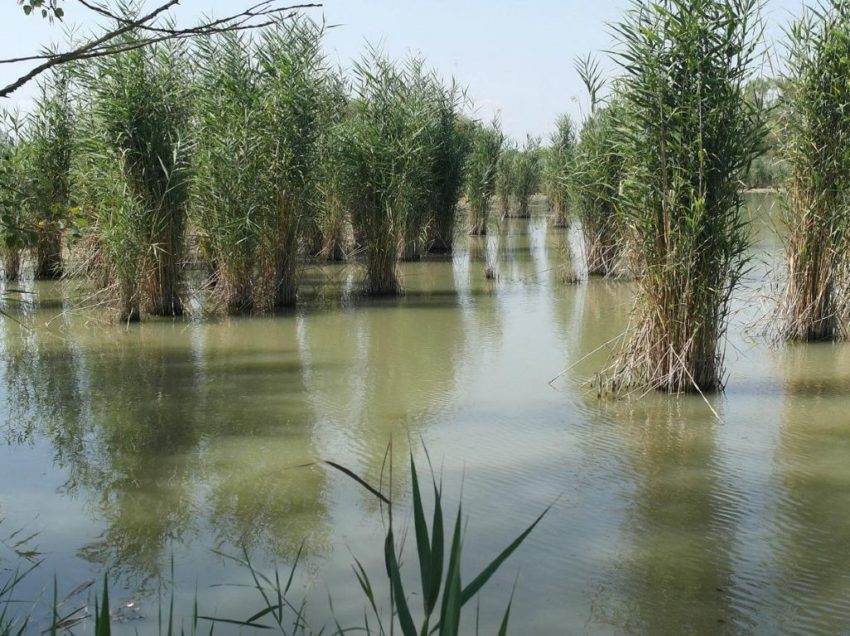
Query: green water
point(127, 447)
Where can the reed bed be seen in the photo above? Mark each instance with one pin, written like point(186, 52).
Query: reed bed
point(134, 173)
point(482, 167)
point(15, 188)
point(526, 171)
point(595, 187)
point(450, 143)
point(816, 127)
point(556, 172)
point(228, 186)
point(50, 141)
point(689, 137)
point(385, 164)
point(506, 179)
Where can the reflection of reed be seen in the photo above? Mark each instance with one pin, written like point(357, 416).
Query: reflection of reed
point(813, 515)
point(677, 575)
point(392, 369)
point(144, 422)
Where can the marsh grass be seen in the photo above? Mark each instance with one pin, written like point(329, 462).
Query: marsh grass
point(689, 137)
point(506, 179)
point(595, 187)
point(260, 105)
point(228, 188)
point(450, 146)
point(385, 164)
point(50, 141)
point(557, 165)
point(482, 166)
point(816, 127)
point(294, 98)
point(134, 173)
point(15, 193)
point(526, 176)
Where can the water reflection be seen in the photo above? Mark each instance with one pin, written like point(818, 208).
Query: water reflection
point(168, 436)
point(678, 573)
point(813, 509)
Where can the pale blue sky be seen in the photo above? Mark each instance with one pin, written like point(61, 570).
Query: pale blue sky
point(514, 56)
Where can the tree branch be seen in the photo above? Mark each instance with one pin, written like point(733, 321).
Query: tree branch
point(105, 45)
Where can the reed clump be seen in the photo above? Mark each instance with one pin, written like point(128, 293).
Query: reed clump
point(451, 144)
point(385, 163)
point(689, 137)
point(595, 187)
point(558, 162)
point(260, 105)
point(50, 140)
point(481, 170)
point(15, 191)
point(816, 131)
point(506, 179)
point(134, 173)
point(526, 180)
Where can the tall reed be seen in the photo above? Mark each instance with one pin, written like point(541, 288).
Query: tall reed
point(558, 162)
point(689, 138)
point(450, 146)
point(384, 164)
point(816, 122)
point(229, 192)
point(595, 183)
point(138, 133)
point(505, 185)
point(526, 175)
point(293, 88)
point(330, 227)
point(51, 139)
point(481, 169)
point(15, 191)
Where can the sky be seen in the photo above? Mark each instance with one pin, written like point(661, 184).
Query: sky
point(516, 57)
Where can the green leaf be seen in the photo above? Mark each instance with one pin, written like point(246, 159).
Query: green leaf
point(403, 610)
point(473, 588)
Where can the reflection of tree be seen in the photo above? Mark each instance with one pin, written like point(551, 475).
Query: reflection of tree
point(813, 515)
point(678, 575)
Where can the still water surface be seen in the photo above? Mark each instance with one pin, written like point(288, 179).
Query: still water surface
point(130, 447)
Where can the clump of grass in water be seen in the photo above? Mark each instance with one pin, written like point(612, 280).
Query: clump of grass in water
point(506, 179)
point(526, 171)
point(556, 171)
point(228, 192)
point(15, 188)
point(689, 137)
point(451, 145)
point(134, 175)
point(50, 140)
point(481, 170)
point(294, 77)
point(260, 106)
point(594, 182)
point(384, 164)
point(817, 134)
